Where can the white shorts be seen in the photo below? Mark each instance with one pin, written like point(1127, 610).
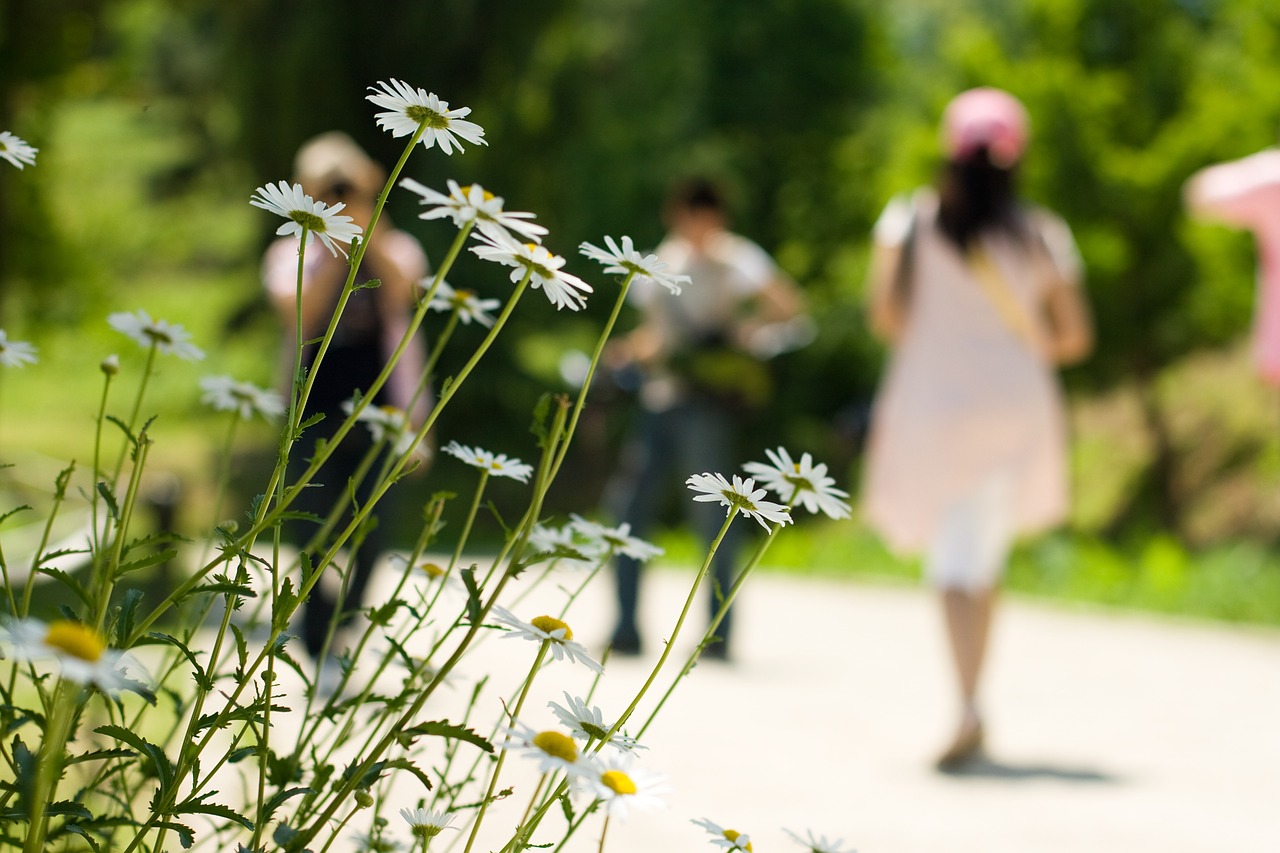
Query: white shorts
point(972, 543)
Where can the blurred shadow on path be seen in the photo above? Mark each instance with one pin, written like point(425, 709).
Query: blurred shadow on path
point(985, 767)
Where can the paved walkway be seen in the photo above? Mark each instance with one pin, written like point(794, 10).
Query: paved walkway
point(1108, 732)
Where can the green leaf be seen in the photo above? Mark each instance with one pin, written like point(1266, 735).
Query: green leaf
point(371, 284)
point(202, 678)
point(473, 594)
point(279, 798)
point(186, 836)
point(448, 730)
point(68, 581)
point(149, 560)
point(128, 612)
point(158, 763)
point(201, 805)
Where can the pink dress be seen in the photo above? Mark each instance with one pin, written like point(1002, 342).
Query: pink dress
point(965, 400)
point(1247, 193)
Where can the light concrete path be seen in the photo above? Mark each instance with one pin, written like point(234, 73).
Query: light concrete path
point(1107, 732)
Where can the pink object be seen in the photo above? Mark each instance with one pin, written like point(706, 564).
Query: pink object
point(985, 117)
point(1246, 193)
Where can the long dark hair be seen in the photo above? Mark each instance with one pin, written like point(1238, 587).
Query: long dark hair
point(976, 196)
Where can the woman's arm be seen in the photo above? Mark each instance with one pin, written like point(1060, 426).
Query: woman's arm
point(1069, 324)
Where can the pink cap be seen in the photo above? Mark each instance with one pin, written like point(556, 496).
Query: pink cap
point(985, 117)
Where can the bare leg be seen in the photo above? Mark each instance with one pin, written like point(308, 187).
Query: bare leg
point(968, 619)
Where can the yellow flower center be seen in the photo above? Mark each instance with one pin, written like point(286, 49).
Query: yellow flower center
point(75, 639)
point(556, 745)
point(733, 834)
point(548, 624)
point(618, 782)
point(432, 570)
point(488, 196)
point(389, 410)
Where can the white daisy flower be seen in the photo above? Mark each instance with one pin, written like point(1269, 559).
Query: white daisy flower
point(729, 839)
point(498, 465)
point(229, 395)
point(386, 423)
point(621, 786)
point(563, 543)
point(586, 722)
point(468, 306)
point(547, 629)
point(302, 211)
point(81, 653)
point(619, 539)
point(820, 844)
point(16, 151)
point(625, 260)
point(739, 496)
point(553, 750)
point(564, 290)
point(475, 204)
point(801, 481)
point(426, 824)
point(15, 353)
point(408, 108)
point(168, 338)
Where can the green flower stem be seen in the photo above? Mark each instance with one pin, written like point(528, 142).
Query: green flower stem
point(133, 416)
point(466, 525)
point(348, 288)
point(49, 765)
point(512, 550)
point(591, 371)
point(97, 461)
point(502, 756)
point(710, 634)
point(384, 661)
point(341, 826)
point(107, 582)
point(433, 358)
point(60, 493)
point(224, 477)
point(306, 736)
point(670, 644)
point(568, 833)
point(268, 516)
point(582, 586)
point(603, 832)
point(666, 652)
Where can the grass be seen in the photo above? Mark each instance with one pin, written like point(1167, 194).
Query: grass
point(1233, 583)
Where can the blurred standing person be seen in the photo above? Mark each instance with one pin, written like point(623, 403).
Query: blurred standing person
point(978, 295)
point(1246, 193)
point(700, 355)
point(333, 168)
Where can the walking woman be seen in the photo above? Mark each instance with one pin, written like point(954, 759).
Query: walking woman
point(978, 295)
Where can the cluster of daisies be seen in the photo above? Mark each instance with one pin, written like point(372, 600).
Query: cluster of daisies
point(505, 237)
point(802, 483)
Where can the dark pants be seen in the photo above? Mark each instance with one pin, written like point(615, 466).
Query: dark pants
point(331, 484)
point(664, 450)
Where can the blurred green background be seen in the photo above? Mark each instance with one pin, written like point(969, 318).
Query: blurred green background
point(156, 119)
